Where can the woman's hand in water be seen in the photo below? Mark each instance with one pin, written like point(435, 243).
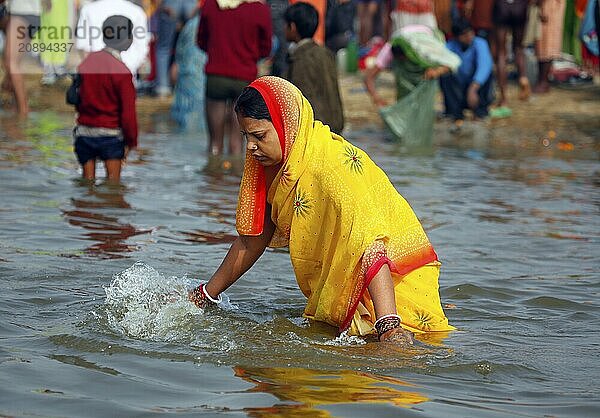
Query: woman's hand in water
point(398, 336)
point(199, 297)
point(389, 330)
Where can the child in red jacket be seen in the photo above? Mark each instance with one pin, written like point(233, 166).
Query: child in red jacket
point(107, 123)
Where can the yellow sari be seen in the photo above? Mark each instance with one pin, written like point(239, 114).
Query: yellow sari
point(342, 220)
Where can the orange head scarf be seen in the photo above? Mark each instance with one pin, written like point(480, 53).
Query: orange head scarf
point(284, 102)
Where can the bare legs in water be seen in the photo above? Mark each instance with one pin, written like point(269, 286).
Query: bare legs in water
point(113, 170)
point(14, 81)
point(221, 120)
point(500, 37)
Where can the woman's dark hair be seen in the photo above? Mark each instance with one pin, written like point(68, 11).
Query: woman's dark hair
point(250, 104)
point(304, 16)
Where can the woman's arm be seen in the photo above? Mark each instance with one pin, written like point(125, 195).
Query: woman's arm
point(242, 255)
point(435, 72)
point(369, 80)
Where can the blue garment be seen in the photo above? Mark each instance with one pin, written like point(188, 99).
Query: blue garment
point(103, 147)
point(589, 32)
point(170, 14)
point(477, 63)
point(188, 101)
point(455, 97)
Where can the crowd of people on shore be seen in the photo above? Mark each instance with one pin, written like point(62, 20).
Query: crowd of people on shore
point(201, 54)
point(489, 37)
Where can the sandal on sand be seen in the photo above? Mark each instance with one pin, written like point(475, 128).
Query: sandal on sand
point(500, 112)
point(524, 88)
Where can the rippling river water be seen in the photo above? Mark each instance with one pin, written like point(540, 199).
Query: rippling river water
point(94, 321)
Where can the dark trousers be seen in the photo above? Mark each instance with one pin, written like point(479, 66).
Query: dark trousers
point(280, 65)
point(455, 97)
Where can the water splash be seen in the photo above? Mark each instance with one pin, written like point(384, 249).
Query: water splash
point(345, 340)
point(142, 303)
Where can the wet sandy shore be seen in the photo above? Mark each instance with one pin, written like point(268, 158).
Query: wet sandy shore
point(564, 119)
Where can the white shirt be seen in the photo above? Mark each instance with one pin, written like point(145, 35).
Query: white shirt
point(89, 29)
point(25, 7)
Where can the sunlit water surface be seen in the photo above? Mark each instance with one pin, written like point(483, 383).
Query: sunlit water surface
point(94, 319)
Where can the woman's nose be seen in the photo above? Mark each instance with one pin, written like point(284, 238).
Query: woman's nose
point(251, 146)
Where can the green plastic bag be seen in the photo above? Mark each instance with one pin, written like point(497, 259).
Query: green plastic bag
point(412, 117)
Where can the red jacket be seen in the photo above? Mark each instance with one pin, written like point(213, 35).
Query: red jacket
point(107, 96)
point(235, 39)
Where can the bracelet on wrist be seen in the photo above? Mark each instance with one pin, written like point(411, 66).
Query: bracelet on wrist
point(386, 323)
point(209, 297)
point(200, 297)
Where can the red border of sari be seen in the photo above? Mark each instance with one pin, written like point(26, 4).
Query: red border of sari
point(374, 269)
point(260, 192)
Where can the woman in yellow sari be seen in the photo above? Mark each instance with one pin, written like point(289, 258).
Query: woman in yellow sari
point(359, 253)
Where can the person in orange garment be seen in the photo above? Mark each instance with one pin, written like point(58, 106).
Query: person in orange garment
point(549, 45)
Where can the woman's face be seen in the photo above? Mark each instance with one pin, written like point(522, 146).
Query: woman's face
point(261, 140)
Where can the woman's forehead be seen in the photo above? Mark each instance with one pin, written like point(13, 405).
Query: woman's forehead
point(251, 124)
